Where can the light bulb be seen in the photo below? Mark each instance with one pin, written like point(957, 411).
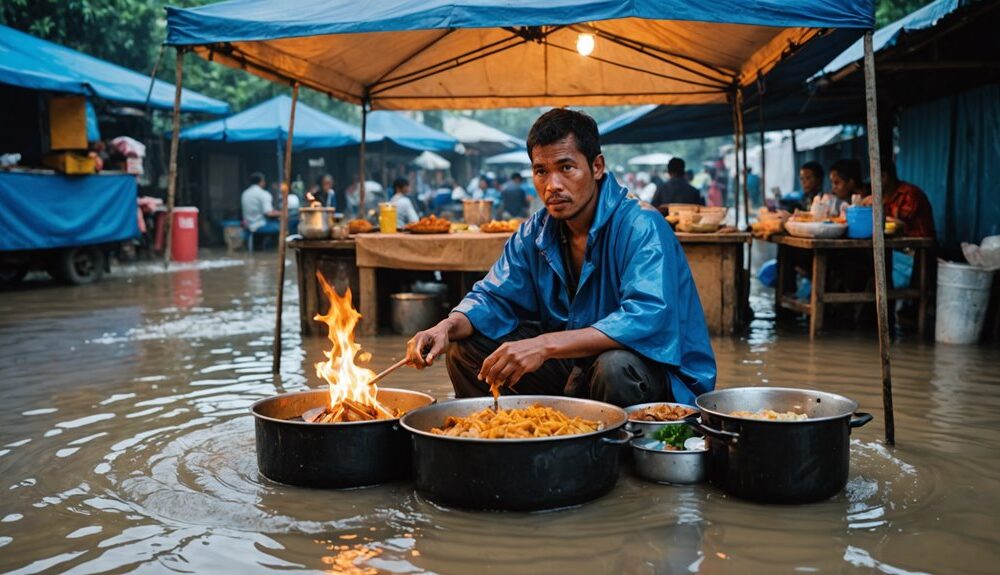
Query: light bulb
point(585, 44)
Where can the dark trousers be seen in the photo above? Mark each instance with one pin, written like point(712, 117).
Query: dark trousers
point(618, 377)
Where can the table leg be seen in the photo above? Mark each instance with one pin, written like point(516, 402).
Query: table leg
point(816, 295)
point(369, 301)
point(924, 264)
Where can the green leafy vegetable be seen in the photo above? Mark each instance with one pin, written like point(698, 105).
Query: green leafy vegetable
point(674, 435)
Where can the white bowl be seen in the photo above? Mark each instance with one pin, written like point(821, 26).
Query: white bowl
point(821, 230)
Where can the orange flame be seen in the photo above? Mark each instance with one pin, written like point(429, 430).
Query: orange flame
point(347, 380)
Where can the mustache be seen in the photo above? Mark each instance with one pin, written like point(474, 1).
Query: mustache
point(557, 198)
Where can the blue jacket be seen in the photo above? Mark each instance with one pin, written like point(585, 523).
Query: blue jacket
point(635, 286)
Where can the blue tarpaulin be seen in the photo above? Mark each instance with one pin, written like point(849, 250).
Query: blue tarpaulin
point(497, 53)
point(268, 122)
point(951, 148)
point(410, 133)
point(36, 64)
point(43, 211)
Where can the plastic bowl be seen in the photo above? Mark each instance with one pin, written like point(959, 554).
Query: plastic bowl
point(681, 208)
point(819, 230)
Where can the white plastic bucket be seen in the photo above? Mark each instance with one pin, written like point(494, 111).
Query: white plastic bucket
point(963, 292)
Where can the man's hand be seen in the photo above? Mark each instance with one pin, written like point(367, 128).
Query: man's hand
point(424, 347)
point(512, 360)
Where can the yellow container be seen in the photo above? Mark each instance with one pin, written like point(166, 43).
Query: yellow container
point(68, 123)
point(70, 163)
point(387, 218)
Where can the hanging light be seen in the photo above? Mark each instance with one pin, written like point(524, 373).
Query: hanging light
point(585, 44)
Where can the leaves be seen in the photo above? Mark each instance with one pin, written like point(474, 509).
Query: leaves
point(674, 435)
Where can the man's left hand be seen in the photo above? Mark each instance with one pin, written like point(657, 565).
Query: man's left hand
point(512, 360)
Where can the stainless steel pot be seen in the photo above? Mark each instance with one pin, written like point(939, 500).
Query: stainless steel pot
point(778, 461)
point(413, 312)
point(477, 212)
point(648, 428)
point(516, 474)
point(314, 223)
point(656, 464)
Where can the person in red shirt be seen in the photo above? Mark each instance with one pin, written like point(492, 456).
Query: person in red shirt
point(906, 203)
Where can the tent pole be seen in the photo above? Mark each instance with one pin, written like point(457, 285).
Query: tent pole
point(763, 153)
point(361, 159)
point(736, 162)
point(746, 174)
point(385, 150)
point(172, 170)
point(878, 238)
point(283, 233)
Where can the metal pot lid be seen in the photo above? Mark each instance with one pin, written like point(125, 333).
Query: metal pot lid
point(817, 405)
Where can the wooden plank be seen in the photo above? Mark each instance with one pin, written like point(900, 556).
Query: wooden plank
point(729, 287)
point(733, 238)
point(816, 297)
point(369, 301)
point(705, 261)
point(322, 244)
point(840, 244)
point(795, 305)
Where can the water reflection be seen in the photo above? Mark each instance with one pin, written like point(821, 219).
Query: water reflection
point(125, 446)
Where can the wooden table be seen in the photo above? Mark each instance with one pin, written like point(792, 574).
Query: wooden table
point(335, 259)
point(461, 252)
point(821, 249)
point(716, 262)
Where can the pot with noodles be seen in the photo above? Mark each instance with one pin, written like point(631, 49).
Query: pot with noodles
point(530, 453)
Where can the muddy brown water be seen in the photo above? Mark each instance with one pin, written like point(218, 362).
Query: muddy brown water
point(126, 446)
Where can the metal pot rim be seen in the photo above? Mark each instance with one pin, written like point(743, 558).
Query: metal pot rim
point(633, 408)
point(637, 444)
point(814, 392)
point(258, 415)
point(539, 398)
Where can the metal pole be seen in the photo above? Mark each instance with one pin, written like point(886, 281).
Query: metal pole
point(746, 183)
point(172, 170)
point(285, 185)
point(361, 161)
point(736, 161)
point(878, 239)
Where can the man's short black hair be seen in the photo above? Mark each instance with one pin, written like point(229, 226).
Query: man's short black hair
point(399, 184)
point(256, 179)
point(848, 169)
point(676, 166)
point(559, 123)
point(516, 176)
point(815, 168)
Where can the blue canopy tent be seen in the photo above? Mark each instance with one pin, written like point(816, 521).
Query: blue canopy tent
point(409, 133)
point(497, 53)
point(36, 64)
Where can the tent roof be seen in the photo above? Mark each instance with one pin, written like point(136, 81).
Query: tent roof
point(410, 133)
point(30, 62)
point(431, 161)
point(517, 157)
point(473, 132)
point(268, 122)
point(497, 53)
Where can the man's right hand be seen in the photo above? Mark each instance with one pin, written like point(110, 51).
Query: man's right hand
point(424, 347)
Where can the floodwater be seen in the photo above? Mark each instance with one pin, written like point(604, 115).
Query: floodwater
point(126, 446)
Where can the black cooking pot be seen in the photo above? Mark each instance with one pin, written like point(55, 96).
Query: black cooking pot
point(332, 455)
point(778, 461)
point(516, 474)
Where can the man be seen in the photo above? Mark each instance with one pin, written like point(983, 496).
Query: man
point(845, 180)
point(811, 181)
point(405, 212)
point(677, 189)
point(905, 202)
point(592, 297)
point(513, 197)
point(258, 207)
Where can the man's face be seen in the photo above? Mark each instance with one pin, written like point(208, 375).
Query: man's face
point(809, 182)
point(403, 189)
point(565, 180)
point(841, 187)
point(327, 184)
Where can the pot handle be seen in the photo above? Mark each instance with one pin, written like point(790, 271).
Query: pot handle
point(632, 429)
point(862, 419)
point(726, 436)
point(619, 441)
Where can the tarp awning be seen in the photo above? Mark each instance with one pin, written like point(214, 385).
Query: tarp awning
point(36, 64)
point(495, 53)
point(268, 121)
point(409, 133)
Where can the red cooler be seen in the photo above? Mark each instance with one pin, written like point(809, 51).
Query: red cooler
point(184, 243)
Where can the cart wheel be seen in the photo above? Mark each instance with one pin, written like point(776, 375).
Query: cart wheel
point(79, 266)
point(12, 275)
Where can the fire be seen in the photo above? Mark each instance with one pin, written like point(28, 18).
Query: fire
point(352, 398)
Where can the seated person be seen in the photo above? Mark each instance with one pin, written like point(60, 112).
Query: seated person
point(514, 198)
point(906, 203)
point(258, 207)
point(677, 189)
point(811, 180)
point(592, 296)
point(846, 181)
point(405, 212)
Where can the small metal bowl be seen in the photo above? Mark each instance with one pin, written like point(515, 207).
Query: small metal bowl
point(676, 467)
point(648, 428)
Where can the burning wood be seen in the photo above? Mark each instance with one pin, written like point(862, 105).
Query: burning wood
point(353, 394)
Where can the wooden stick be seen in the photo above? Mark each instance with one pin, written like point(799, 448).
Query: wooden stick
point(172, 170)
point(878, 238)
point(276, 350)
point(736, 160)
point(361, 161)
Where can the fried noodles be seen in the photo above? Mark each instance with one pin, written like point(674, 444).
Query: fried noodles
point(534, 421)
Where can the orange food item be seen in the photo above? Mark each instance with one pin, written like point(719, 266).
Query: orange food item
point(359, 226)
point(662, 412)
point(430, 225)
point(534, 421)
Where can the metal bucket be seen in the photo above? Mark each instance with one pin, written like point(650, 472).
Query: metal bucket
point(477, 212)
point(413, 312)
point(963, 294)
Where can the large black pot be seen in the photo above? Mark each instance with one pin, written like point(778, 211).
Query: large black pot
point(331, 455)
point(516, 474)
point(778, 461)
